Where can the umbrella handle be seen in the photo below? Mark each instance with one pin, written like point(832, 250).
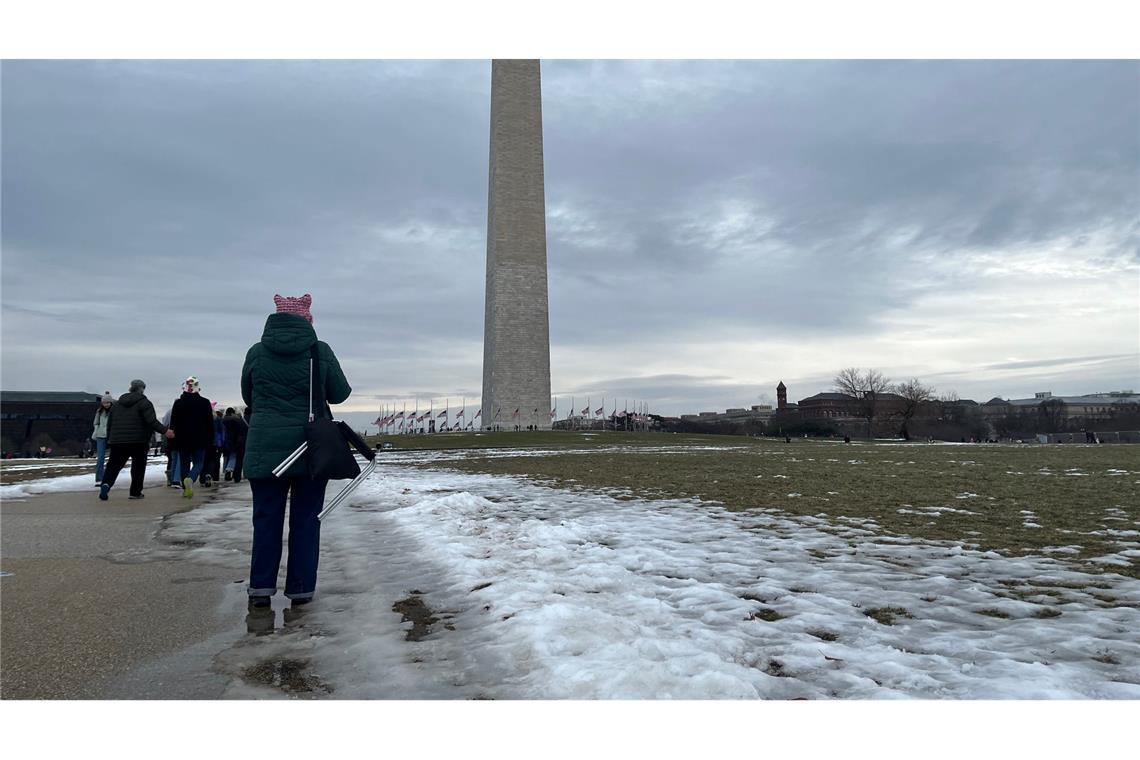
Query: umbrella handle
point(343, 495)
point(280, 469)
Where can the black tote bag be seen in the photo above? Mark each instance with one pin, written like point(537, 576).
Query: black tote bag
point(328, 453)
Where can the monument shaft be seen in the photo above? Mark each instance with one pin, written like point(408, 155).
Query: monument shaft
point(516, 332)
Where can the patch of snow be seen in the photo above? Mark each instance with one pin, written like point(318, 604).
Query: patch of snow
point(556, 594)
point(155, 474)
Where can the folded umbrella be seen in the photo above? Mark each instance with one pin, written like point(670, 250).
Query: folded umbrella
point(357, 443)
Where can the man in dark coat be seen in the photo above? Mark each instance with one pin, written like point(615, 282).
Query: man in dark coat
point(192, 420)
point(128, 434)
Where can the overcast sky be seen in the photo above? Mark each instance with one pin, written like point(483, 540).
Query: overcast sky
point(713, 227)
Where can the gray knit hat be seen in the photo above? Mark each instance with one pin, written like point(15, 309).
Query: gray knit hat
point(107, 398)
point(137, 385)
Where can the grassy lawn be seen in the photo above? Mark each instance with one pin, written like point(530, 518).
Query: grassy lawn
point(1065, 501)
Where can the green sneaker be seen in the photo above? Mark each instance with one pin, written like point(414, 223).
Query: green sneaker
point(187, 488)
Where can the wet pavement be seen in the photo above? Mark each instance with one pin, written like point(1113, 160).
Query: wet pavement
point(75, 623)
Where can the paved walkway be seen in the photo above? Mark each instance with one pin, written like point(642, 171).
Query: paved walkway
point(76, 624)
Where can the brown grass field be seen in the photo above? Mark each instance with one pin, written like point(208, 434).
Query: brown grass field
point(1071, 502)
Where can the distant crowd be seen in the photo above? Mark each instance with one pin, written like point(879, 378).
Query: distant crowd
point(201, 442)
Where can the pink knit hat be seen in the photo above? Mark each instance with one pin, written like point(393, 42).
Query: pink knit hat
point(298, 306)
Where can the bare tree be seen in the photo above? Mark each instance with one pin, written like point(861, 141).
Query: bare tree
point(914, 394)
point(1052, 415)
point(867, 387)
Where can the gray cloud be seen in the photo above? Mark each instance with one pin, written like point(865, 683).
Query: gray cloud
point(151, 210)
point(1063, 361)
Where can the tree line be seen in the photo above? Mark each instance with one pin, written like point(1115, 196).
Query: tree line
point(911, 408)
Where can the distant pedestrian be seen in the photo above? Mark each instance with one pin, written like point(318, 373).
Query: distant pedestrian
point(246, 415)
point(173, 466)
point(99, 434)
point(236, 429)
point(275, 380)
point(212, 472)
point(128, 434)
point(192, 420)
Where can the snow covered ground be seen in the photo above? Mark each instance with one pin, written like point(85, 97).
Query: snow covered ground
point(542, 593)
point(155, 473)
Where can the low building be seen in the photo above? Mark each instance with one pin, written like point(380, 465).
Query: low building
point(61, 421)
point(1072, 410)
point(759, 413)
point(829, 406)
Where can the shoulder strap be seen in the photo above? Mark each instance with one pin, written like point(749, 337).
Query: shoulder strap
point(316, 390)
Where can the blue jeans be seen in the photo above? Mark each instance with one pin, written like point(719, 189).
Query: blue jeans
point(100, 456)
point(190, 464)
point(269, 497)
point(231, 461)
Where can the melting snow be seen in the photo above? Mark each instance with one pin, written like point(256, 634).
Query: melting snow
point(155, 473)
point(545, 593)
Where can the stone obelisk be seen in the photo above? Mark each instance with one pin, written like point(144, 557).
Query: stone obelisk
point(516, 326)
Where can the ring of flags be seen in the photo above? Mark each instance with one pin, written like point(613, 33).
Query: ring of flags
point(416, 417)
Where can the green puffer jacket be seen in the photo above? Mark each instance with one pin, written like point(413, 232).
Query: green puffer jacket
point(275, 382)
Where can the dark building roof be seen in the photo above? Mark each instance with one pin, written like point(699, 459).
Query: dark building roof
point(48, 397)
point(829, 397)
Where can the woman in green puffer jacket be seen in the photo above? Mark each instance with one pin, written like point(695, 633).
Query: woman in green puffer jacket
point(275, 384)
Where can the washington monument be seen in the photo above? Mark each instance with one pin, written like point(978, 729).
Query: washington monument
point(516, 330)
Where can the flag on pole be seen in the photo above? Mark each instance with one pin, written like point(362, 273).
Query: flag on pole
point(516, 414)
point(460, 413)
point(598, 411)
point(553, 412)
point(478, 414)
point(442, 414)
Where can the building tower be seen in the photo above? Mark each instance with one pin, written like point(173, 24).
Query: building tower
point(516, 331)
point(782, 397)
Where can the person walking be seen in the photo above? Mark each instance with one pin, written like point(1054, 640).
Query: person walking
point(128, 434)
point(212, 472)
point(236, 428)
point(99, 434)
point(246, 413)
point(192, 420)
point(173, 468)
point(275, 381)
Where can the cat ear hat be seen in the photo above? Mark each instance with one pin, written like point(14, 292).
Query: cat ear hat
point(299, 306)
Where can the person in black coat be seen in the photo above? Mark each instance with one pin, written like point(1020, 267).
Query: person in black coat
point(192, 420)
point(129, 429)
point(236, 429)
point(211, 471)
